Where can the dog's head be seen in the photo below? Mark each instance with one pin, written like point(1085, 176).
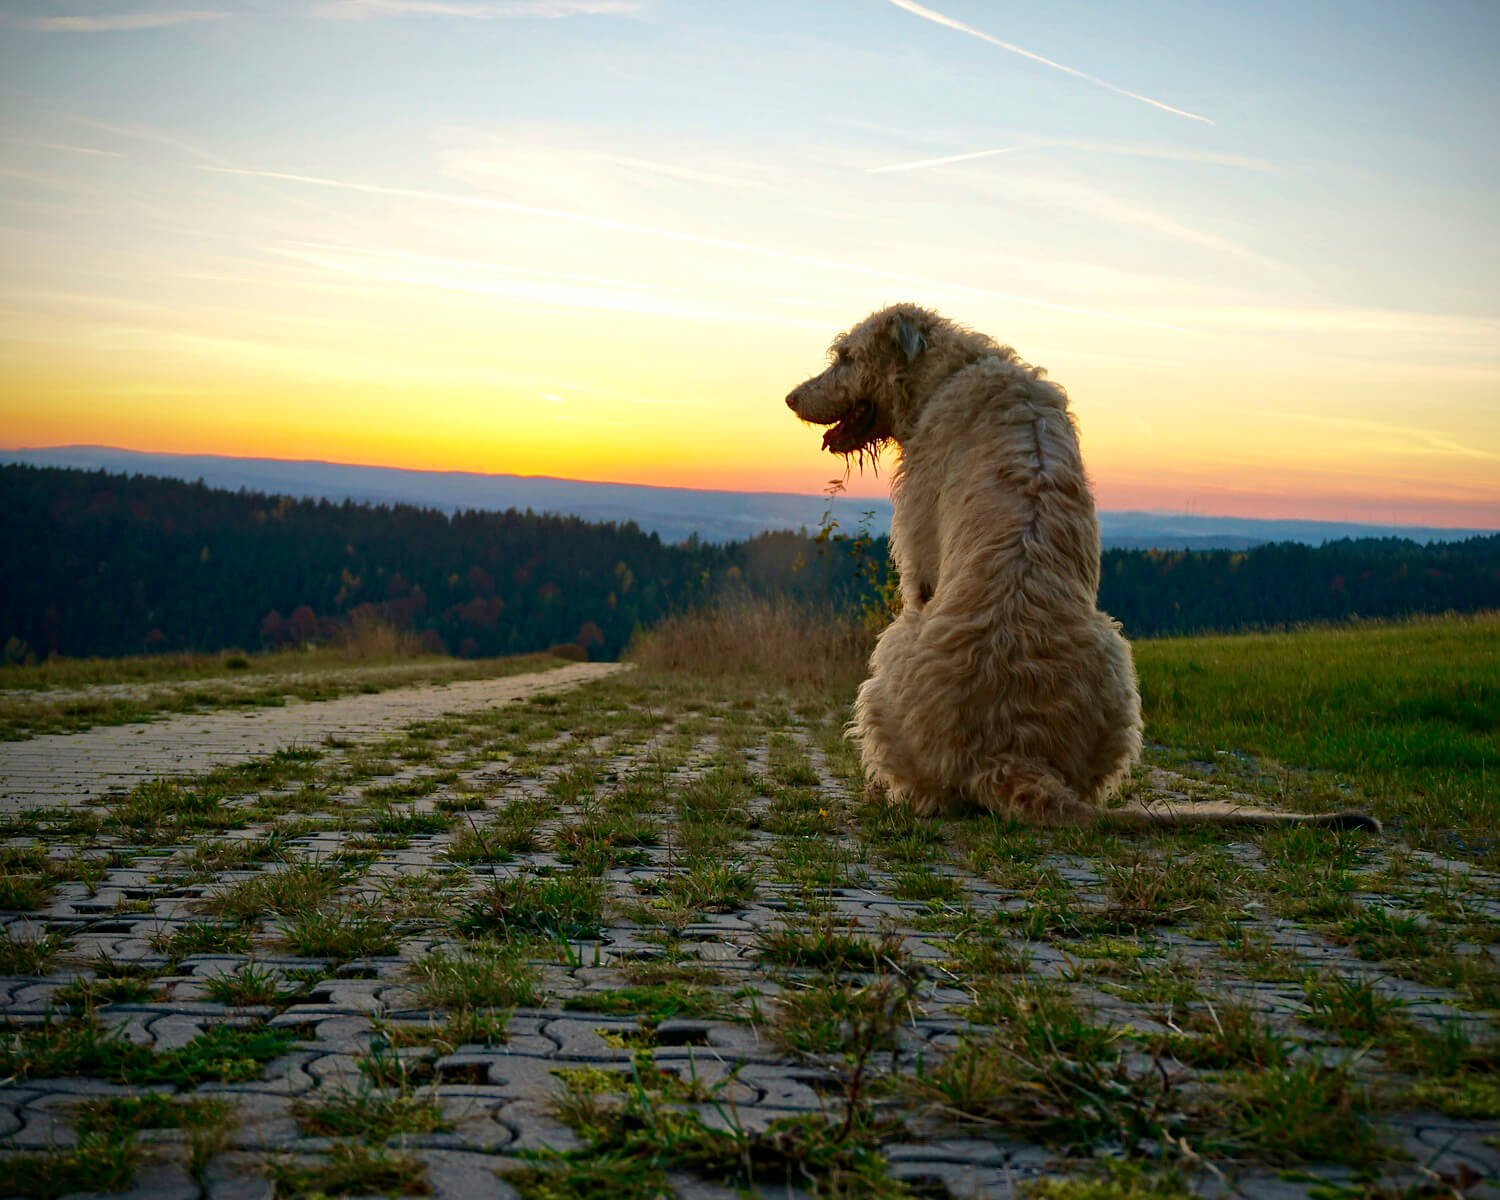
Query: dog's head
point(865, 395)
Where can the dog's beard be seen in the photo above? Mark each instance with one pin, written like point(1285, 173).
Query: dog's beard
point(857, 432)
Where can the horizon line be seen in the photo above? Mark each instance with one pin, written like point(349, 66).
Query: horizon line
point(667, 487)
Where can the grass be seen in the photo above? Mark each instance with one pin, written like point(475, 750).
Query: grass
point(116, 1119)
point(339, 933)
point(370, 1115)
point(201, 937)
point(479, 976)
point(568, 906)
point(27, 955)
point(250, 984)
point(1230, 1035)
point(95, 1164)
point(1069, 1103)
point(822, 946)
point(633, 1134)
point(708, 885)
point(654, 1003)
point(1402, 715)
point(89, 993)
point(82, 1047)
point(1306, 1112)
point(350, 1169)
point(295, 888)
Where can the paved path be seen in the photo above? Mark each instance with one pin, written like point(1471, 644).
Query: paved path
point(77, 768)
point(695, 844)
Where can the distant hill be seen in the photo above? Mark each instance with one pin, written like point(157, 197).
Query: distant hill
point(674, 514)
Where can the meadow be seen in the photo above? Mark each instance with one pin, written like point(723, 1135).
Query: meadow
point(647, 938)
point(1403, 719)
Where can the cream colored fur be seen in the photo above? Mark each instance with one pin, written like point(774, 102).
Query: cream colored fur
point(1001, 686)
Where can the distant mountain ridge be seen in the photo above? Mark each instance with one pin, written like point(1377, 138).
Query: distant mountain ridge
point(675, 514)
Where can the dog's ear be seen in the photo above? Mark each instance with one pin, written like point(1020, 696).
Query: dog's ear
point(908, 337)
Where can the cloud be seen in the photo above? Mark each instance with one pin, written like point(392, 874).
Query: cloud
point(1103, 206)
point(938, 18)
point(122, 22)
point(540, 290)
point(89, 150)
point(1407, 437)
point(577, 218)
point(919, 164)
point(477, 10)
point(1168, 153)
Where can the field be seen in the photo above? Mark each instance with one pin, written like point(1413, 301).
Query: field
point(645, 938)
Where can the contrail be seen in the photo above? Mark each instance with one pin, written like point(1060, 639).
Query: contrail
point(557, 214)
point(1169, 153)
point(939, 19)
point(943, 162)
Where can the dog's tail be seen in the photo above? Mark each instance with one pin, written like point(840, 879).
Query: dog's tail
point(1221, 815)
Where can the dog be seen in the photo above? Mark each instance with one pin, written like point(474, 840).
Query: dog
point(1000, 687)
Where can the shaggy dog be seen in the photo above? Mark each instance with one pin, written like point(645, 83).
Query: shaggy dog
point(1001, 686)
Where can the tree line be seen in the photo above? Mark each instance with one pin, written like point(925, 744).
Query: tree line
point(108, 564)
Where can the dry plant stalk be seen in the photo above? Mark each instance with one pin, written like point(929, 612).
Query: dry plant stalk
point(779, 640)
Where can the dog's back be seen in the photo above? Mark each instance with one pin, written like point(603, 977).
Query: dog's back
point(997, 544)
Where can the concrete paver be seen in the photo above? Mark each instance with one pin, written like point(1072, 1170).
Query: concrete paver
point(78, 768)
point(498, 1099)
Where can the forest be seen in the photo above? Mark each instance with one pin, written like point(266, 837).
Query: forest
point(110, 564)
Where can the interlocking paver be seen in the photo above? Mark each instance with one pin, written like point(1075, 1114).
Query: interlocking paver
point(77, 768)
point(363, 1028)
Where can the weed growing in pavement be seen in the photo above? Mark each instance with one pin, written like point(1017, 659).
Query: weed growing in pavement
point(28, 956)
point(339, 933)
point(82, 1047)
point(633, 1135)
point(1353, 1010)
point(370, 1115)
point(207, 1123)
point(565, 905)
point(1230, 1035)
point(349, 1169)
point(706, 885)
point(89, 993)
point(97, 1163)
point(824, 945)
point(249, 985)
point(201, 937)
point(296, 887)
point(654, 1003)
point(1304, 1112)
point(478, 975)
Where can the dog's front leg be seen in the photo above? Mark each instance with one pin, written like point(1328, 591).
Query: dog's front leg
point(879, 720)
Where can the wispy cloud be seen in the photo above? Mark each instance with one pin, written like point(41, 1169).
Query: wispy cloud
point(122, 22)
point(1103, 206)
point(689, 238)
point(481, 10)
point(1167, 153)
point(1413, 440)
point(947, 159)
point(90, 150)
point(938, 18)
point(541, 289)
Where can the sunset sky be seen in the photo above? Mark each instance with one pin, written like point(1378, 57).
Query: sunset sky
point(601, 239)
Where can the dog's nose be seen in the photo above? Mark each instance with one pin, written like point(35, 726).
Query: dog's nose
point(791, 401)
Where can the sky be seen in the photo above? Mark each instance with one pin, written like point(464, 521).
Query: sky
point(602, 239)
